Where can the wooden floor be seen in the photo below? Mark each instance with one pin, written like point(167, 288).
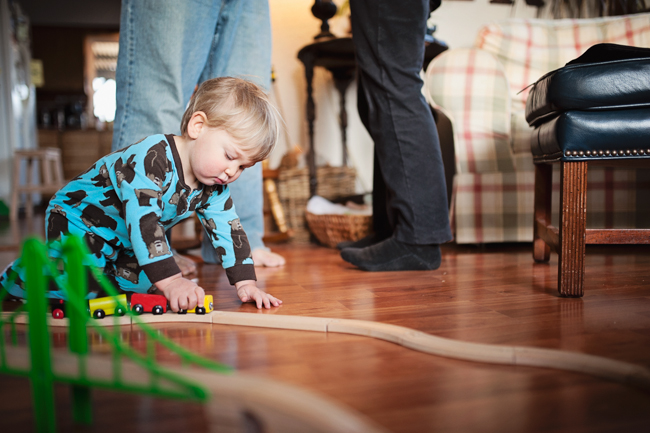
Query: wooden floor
point(492, 294)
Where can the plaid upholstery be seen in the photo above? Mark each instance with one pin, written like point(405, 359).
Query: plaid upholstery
point(471, 87)
point(493, 207)
point(478, 88)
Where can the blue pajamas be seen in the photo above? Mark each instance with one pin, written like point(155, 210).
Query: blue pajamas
point(122, 207)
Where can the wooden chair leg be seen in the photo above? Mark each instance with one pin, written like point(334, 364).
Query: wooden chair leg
point(46, 171)
point(32, 167)
point(542, 216)
point(573, 216)
point(15, 195)
point(58, 169)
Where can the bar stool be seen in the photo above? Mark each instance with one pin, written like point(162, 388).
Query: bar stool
point(50, 176)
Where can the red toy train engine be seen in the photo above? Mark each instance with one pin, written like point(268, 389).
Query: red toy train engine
point(144, 303)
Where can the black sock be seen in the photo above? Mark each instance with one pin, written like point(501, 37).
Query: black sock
point(361, 243)
point(393, 255)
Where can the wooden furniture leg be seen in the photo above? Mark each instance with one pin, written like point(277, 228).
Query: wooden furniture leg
point(542, 215)
point(309, 60)
point(271, 191)
point(573, 217)
point(570, 239)
point(15, 195)
point(342, 79)
point(31, 163)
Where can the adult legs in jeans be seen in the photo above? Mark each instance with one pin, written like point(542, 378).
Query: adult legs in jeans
point(167, 47)
point(409, 188)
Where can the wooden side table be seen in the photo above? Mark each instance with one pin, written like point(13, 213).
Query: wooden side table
point(337, 55)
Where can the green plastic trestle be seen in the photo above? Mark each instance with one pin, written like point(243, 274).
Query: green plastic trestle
point(41, 377)
point(78, 338)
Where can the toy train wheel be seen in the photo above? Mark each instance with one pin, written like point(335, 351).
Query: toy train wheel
point(138, 309)
point(157, 310)
point(99, 314)
point(58, 313)
point(119, 311)
point(200, 310)
point(181, 311)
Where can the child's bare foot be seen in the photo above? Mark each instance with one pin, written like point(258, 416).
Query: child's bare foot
point(262, 257)
point(186, 265)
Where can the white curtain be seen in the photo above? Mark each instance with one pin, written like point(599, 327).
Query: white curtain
point(17, 94)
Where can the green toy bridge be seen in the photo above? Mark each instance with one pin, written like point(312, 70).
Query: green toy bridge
point(37, 360)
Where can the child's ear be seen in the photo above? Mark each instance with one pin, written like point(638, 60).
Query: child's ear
point(197, 122)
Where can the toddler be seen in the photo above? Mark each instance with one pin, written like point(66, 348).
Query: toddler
point(124, 203)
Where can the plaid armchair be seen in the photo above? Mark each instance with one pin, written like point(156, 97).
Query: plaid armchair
point(483, 91)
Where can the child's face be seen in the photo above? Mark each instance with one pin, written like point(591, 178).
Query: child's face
point(216, 158)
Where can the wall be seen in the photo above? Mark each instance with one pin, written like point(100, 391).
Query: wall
point(294, 27)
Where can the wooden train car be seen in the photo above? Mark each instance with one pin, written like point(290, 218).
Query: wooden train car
point(207, 307)
point(145, 303)
point(102, 307)
point(57, 307)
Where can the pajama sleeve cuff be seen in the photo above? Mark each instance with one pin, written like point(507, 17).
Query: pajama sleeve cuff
point(240, 273)
point(160, 270)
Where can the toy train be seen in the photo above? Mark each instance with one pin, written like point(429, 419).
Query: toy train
point(138, 303)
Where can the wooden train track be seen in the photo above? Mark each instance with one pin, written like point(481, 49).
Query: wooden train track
point(605, 368)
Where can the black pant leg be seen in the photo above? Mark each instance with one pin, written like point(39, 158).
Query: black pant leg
point(381, 222)
point(389, 40)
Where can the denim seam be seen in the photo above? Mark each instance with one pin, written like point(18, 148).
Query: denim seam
point(129, 62)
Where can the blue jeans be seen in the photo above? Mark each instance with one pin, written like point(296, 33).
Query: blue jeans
point(167, 47)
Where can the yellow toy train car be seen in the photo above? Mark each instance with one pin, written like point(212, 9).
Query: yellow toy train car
point(208, 306)
point(102, 307)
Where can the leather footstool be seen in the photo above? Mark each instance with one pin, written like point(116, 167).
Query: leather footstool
point(594, 110)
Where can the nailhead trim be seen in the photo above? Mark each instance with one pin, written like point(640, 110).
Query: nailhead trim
point(627, 152)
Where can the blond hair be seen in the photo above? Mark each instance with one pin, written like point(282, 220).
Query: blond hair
point(242, 109)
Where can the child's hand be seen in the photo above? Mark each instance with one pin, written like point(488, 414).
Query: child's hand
point(248, 292)
point(181, 293)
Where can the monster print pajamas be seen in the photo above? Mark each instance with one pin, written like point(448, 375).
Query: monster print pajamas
point(122, 206)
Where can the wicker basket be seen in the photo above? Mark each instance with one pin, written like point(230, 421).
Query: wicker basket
point(293, 190)
point(332, 229)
